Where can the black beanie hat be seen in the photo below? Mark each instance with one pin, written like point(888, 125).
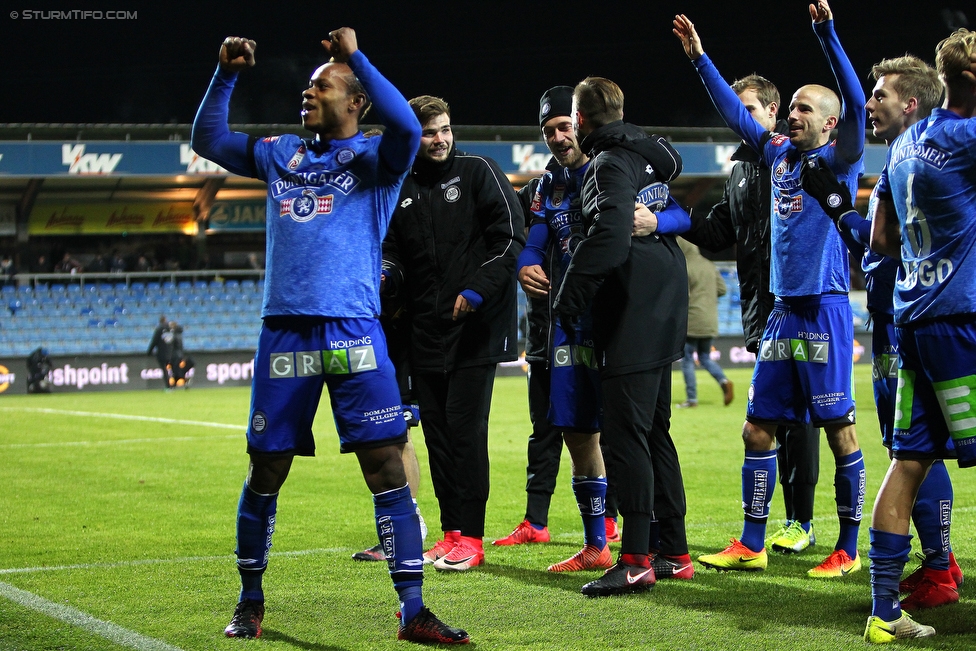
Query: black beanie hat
point(558, 100)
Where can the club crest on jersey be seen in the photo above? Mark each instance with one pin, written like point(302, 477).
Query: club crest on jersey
point(452, 193)
point(558, 192)
point(654, 196)
point(780, 170)
point(788, 205)
point(568, 245)
point(259, 422)
point(345, 156)
point(306, 207)
point(296, 160)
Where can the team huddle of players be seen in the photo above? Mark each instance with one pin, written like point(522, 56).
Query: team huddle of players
point(592, 243)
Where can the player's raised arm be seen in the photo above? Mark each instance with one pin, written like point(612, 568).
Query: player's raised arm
point(735, 114)
point(210, 137)
point(402, 137)
point(341, 44)
point(850, 126)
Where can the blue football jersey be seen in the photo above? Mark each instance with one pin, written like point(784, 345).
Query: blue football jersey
point(328, 212)
point(930, 175)
point(808, 254)
point(879, 271)
point(557, 204)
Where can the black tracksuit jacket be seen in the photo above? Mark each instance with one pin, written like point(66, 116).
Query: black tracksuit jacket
point(638, 286)
point(457, 225)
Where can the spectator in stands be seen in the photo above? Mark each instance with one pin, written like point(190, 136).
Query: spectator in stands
point(705, 285)
point(254, 262)
point(42, 266)
point(7, 271)
point(117, 265)
point(97, 265)
point(162, 343)
point(68, 265)
point(143, 264)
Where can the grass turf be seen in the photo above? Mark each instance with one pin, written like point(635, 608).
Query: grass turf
point(120, 507)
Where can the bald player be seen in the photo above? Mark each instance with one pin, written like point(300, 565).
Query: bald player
point(805, 354)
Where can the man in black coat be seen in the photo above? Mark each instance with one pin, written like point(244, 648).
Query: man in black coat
point(454, 239)
point(638, 287)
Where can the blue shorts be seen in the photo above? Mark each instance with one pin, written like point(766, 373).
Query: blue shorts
point(884, 372)
point(296, 356)
point(575, 402)
point(935, 416)
point(805, 362)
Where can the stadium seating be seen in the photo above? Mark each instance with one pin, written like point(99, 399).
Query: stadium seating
point(77, 319)
point(81, 319)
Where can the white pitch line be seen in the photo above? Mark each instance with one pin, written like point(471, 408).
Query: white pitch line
point(160, 561)
point(158, 439)
point(96, 414)
point(75, 617)
point(149, 419)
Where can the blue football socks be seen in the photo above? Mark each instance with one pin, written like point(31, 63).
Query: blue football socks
point(398, 528)
point(255, 524)
point(849, 492)
point(591, 494)
point(889, 553)
point(758, 482)
point(932, 516)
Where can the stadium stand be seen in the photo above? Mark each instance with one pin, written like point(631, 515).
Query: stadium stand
point(81, 318)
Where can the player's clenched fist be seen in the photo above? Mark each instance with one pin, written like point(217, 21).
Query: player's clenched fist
point(237, 53)
point(341, 44)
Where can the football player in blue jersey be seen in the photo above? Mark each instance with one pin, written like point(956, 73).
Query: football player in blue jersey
point(742, 219)
point(907, 90)
point(334, 192)
point(924, 217)
point(575, 409)
point(574, 387)
point(806, 351)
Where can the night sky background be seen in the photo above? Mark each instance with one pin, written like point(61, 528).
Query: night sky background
point(490, 60)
